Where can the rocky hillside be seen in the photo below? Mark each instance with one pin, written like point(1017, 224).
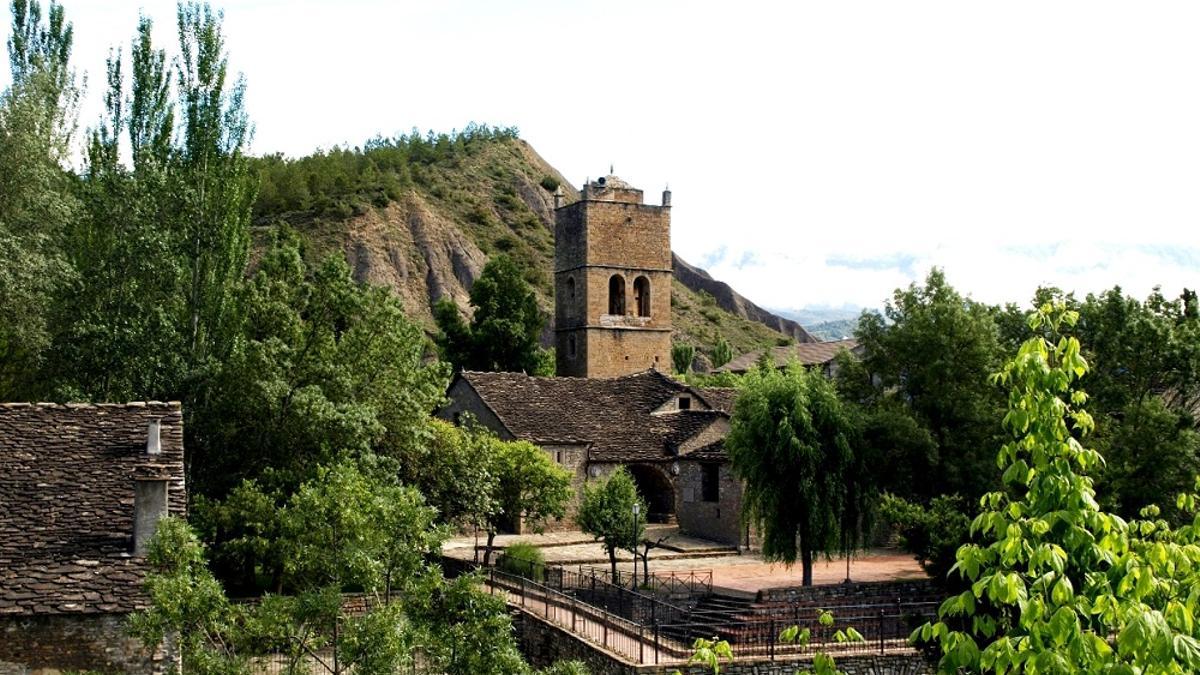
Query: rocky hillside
point(428, 232)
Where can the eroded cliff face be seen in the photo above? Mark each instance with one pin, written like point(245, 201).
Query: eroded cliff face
point(433, 242)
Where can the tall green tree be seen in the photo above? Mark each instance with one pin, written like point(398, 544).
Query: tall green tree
point(1057, 584)
point(606, 513)
point(37, 204)
point(212, 182)
point(320, 366)
point(792, 441)
point(118, 331)
point(507, 324)
point(928, 357)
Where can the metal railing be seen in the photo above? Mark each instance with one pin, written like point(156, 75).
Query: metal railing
point(644, 629)
point(685, 586)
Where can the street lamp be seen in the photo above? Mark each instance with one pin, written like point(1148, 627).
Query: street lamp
point(637, 508)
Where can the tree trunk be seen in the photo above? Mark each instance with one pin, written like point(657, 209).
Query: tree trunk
point(612, 562)
point(806, 564)
point(487, 552)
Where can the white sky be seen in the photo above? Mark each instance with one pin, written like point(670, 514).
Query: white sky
point(820, 153)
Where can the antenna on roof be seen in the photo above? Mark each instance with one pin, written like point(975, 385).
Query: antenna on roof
point(610, 169)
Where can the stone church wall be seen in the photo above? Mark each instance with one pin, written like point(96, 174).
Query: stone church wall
point(719, 520)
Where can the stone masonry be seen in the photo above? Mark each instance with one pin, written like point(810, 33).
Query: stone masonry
point(612, 278)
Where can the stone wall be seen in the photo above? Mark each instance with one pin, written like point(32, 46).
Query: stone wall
point(543, 644)
point(612, 352)
point(573, 458)
point(719, 520)
point(464, 400)
point(53, 643)
point(870, 592)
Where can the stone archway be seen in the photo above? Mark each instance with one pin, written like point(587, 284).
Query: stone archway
point(658, 491)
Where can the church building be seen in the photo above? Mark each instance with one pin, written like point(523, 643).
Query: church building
point(613, 403)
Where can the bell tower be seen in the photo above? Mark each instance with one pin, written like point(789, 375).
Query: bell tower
point(612, 282)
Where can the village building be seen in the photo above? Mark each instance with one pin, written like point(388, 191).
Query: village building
point(667, 434)
point(82, 488)
point(612, 405)
point(821, 355)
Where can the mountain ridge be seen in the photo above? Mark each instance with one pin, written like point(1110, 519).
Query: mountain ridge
point(428, 235)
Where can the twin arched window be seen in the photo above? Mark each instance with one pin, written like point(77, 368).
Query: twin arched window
point(616, 295)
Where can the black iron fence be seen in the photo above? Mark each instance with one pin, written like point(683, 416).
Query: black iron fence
point(645, 629)
point(679, 587)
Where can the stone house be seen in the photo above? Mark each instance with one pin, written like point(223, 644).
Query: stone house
point(669, 435)
point(810, 354)
point(82, 488)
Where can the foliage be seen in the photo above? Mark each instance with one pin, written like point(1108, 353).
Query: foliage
point(549, 183)
point(606, 513)
point(792, 442)
point(37, 204)
point(468, 631)
point(1058, 584)
point(321, 366)
point(449, 467)
point(823, 664)
point(188, 602)
point(709, 653)
point(338, 182)
point(682, 355)
point(530, 487)
point(523, 559)
point(722, 353)
point(928, 358)
point(932, 533)
point(506, 326)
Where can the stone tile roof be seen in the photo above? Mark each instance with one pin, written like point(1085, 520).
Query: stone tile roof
point(613, 416)
point(66, 503)
point(807, 353)
point(720, 398)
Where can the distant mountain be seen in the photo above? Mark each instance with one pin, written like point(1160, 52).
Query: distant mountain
point(833, 330)
point(813, 315)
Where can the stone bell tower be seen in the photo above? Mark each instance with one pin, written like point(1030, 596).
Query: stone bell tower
point(612, 282)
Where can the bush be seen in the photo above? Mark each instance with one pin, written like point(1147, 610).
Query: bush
point(523, 559)
point(549, 183)
point(931, 533)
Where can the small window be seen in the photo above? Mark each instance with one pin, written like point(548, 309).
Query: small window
point(710, 482)
point(685, 403)
point(641, 296)
point(616, 295)
point(558, 456)
point(570, 297)
point(570, 346)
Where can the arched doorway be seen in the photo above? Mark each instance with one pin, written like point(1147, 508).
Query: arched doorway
point(654, 486)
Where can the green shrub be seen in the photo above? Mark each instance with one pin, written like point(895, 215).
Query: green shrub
point(681, 357)
point(931, 533)
point(549, 183)
point(523, 559)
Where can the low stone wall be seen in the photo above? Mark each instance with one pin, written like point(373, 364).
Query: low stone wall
point(871, 592)
point(53, 643)
point(544, 643)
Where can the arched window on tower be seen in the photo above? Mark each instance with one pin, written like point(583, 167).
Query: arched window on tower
point(641, 296)
point(570, 297)
point(616, 295)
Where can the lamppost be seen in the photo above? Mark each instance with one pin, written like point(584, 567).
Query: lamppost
point(637, 508)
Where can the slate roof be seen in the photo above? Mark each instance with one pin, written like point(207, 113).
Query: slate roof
point(807, 353)
point(66, 503)
point(720, 398)
point(613, 416)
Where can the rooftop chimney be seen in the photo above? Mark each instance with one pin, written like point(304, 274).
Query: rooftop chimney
point(149, 506)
